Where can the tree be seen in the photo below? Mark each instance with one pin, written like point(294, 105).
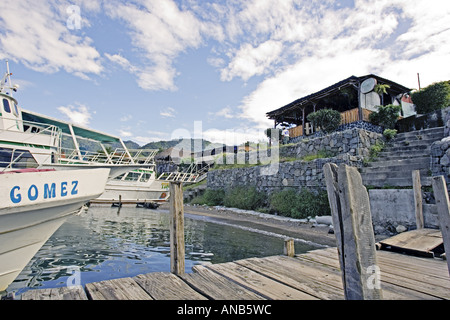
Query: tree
point(327, 119)
point(381, 89)
point(434, 97)
point(386, 116)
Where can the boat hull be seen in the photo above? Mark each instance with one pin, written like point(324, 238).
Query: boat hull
point(126, 192)
point(27, 224)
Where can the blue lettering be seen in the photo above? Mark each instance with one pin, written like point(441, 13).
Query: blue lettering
point(74, 188)
point(30, 192)
point(63, 189)
point(15, 198)
point(49, 192)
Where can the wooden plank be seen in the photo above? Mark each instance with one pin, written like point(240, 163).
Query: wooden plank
point(420, 241)
point(393, 287)
point(443, 206)
point(217, 287)
point(62, 293)
point(177, 250)
point(417, 187)
point(116, 289)
point(259, 283)
point(296, 276)
point(167, 286)
point(402, 270)
point(417, 281)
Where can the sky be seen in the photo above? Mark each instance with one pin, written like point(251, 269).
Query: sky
point(150, 70)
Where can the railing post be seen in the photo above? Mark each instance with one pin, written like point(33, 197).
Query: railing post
point(352, 221)
point(443, 207)
point(177, 249)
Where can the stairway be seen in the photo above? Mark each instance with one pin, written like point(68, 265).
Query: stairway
point(406, 152)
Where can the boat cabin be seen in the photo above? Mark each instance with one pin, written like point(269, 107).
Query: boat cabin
point(355, 98)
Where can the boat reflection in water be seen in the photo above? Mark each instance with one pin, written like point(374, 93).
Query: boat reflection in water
point(103, 243)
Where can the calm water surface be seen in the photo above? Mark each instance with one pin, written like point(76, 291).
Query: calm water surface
point(102, 244)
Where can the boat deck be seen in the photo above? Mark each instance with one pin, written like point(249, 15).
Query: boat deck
point(311, 276)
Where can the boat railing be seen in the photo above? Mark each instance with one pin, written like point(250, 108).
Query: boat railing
point(192, 174)
point(34, 130)
point(16, 159)
point(118, 156)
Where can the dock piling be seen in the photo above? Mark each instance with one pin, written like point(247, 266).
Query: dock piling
point(350, 206)
point(177, 249)
point(443, 206)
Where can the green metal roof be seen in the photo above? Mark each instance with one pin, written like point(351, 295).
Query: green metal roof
point(64, 126)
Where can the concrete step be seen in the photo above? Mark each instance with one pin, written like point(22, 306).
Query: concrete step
point(396, 167)
point(411, 143)
point(396, 182)
point(388, 174)
point(385, 156)
point(419, 147)
point(433, 133)
point(403, 161)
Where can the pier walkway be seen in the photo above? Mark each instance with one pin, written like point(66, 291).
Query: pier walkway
point(314, 275)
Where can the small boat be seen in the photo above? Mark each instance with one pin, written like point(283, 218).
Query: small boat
point(34, 203)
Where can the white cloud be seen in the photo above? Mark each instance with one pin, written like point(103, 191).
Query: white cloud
point(161, 30)
point(35, 33)
point(250, 61)
point(168, 113)
point(79, 114)
point(226, 112)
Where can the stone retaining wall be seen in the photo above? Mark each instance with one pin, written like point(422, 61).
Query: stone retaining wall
point(275, 177)
point(440, 151)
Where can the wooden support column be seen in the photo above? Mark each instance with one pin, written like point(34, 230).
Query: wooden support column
point(352, 221)
point(303, 121)
point(177, 249)
point(417, 187)
point(443, 206)
point(289, 249)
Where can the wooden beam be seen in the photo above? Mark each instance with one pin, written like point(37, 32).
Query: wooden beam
point(352, 221)
point(417, 187)
point(443, 206)
point(177, 250)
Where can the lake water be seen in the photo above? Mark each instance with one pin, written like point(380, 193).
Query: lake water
point(103, 243)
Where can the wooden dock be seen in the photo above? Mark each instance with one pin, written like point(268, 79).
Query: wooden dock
point(311, 276)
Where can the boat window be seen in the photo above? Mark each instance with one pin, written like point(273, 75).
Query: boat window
point(15, 109)
point(145, 177)
point(133, 176)
point(17, 159)
point(6, 105)
point(120, 177)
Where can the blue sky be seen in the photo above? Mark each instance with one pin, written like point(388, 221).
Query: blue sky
point(149, 70)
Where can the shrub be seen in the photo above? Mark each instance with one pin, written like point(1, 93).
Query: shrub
point(434, 97)
point(282, 202)
point(311, 203)
point(386, 116)
point(300, 204)
point(389, 133)
point(327, 119)
point(247, 198)
point(210, 198)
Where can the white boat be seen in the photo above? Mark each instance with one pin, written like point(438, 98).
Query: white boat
point(31, 140)
point(34, 203)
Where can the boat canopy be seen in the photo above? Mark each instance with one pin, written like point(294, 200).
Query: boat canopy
point(65, 127)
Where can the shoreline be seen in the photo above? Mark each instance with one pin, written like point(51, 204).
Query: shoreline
point(291, 228)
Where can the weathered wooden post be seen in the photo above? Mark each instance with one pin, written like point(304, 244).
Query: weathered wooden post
point(289, 249)
point(443, 207)
point(176, 228)
point(352, 222)
point(417, 187)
